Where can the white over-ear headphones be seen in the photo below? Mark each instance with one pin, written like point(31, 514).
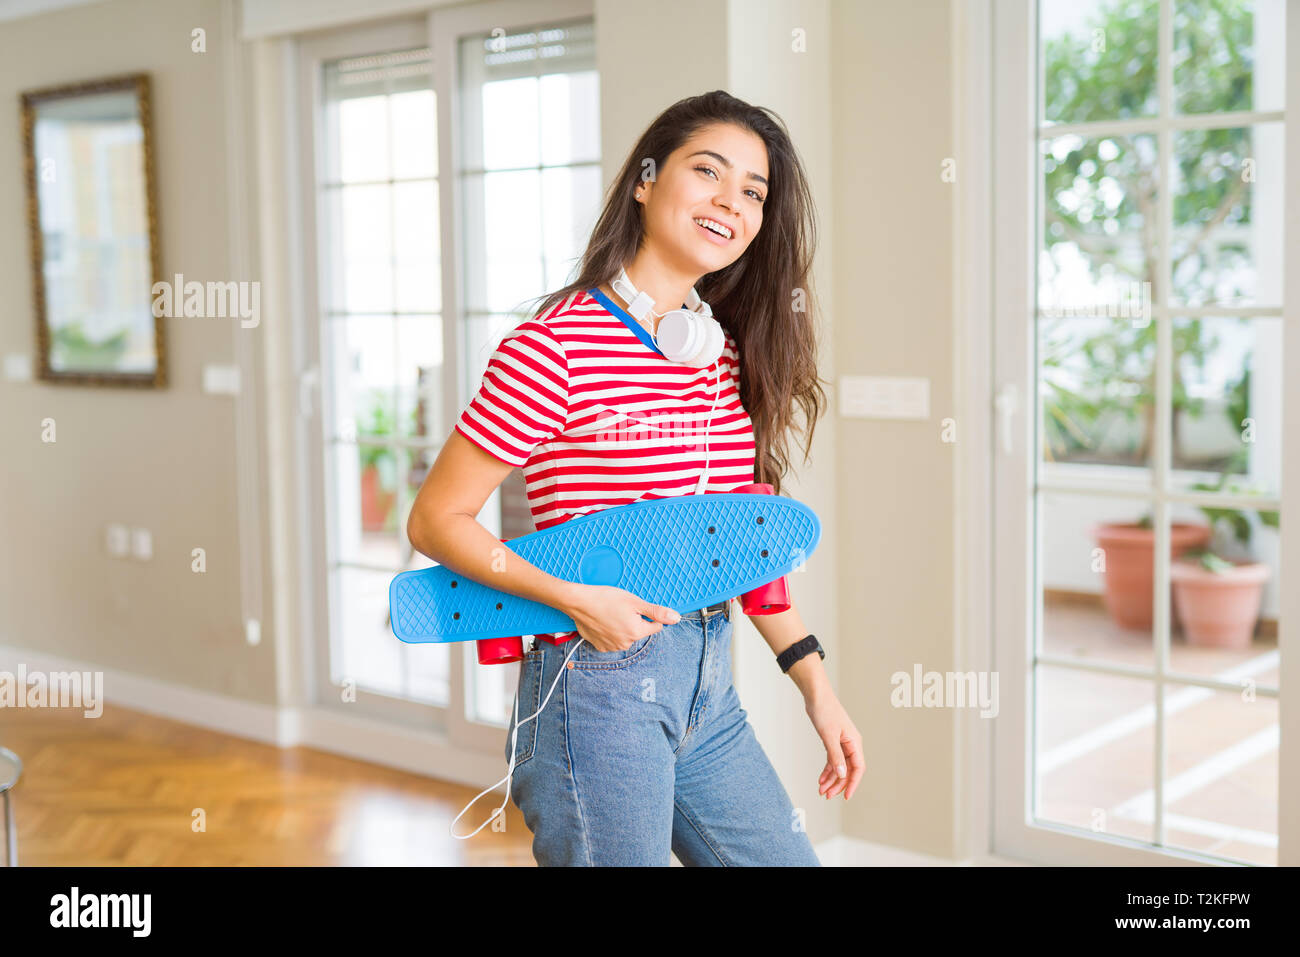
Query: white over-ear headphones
point(690, 336)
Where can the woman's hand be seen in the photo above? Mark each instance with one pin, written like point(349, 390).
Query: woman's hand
point(844, 764)
point(610, 617)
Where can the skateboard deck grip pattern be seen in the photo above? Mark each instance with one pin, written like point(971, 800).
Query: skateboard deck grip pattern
point(685, 552)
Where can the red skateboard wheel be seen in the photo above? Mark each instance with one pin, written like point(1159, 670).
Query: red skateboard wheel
point(774, 597)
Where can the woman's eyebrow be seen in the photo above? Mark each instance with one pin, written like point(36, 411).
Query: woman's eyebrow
point(727, 163)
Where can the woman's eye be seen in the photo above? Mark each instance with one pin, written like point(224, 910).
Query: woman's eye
point(710, 169)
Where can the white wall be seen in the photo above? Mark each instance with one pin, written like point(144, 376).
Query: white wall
point(167, 460)
point(892, 267)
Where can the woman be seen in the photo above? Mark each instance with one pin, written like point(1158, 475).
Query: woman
point(642, 746)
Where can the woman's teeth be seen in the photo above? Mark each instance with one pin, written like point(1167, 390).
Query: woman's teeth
point(716, 228)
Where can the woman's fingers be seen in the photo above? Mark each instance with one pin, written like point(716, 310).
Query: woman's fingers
point(836, 786)
point(828, 780)
point(857, 766)
point(834, 755)
point(832, 782)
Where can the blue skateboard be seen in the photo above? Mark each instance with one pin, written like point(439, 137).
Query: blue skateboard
point(685, 552)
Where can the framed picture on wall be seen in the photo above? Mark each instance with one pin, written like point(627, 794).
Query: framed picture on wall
point(92, 217)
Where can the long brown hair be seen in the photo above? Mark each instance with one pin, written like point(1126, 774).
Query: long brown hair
point(763, 299)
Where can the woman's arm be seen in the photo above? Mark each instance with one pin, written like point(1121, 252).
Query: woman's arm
point(782, 630)
point(443, 526)
point(844, 763)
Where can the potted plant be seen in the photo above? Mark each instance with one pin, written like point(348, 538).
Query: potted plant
point(1218, 598)
point(378, 467)
point(1129, 572)
point(73, 347)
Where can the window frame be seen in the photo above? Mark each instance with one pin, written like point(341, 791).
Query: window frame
point(446, 28)
point(440, 30)
point(1013, 306)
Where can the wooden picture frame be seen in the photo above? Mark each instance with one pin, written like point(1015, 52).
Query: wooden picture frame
point(98, 207)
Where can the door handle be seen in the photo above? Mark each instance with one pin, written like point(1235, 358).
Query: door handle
point(308, 380)
point(1007, 404)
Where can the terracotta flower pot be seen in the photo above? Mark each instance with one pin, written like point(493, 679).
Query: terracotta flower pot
point(1218, 609)
point(1128, 582)
point(375, 502)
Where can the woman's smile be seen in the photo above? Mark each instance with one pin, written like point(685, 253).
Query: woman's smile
point(714, 232)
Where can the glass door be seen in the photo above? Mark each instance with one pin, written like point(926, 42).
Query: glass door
point(528, 187)
point(455, 173)
point(1140, 322)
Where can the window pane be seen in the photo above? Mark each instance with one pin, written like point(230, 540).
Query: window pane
point(363, 139)
point(1226, 596)
point(362, 247)
point(367, 224)
point(1098, 59)
point(1097, 389)
point(1094, 751)
point(361, 353)
point(510, 124)
point(1227, 418)
point(1221, 773)
point(377, 116)
point(491, 697)
point(364, 648)
point(570, 117)
point(420, 378)
point(1227, 228)
point(1097, 573)
point(415, 129)
point(482, 334)
point(1097, 568)
point(512, 238)
point(571, 199)
point(1099, 229)
point(367, 652)
point(365, 514)
point(1229, 56)
point(416, 241)
point(428, 671)
point(415, 465)
point(537, 99)
point(531, 111)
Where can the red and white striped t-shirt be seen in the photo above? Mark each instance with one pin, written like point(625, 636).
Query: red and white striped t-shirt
point(596, 416)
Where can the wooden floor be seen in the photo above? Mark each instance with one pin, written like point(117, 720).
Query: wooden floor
point(126, 788)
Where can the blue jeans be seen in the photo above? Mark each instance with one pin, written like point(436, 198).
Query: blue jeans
point(645, 750)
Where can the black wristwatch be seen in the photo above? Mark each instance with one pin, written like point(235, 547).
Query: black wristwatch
point(798, 650)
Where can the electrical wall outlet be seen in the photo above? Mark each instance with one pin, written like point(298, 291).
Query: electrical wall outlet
point(18, 367)
point(141, 544)
point(118, 540)
point(221, 379)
